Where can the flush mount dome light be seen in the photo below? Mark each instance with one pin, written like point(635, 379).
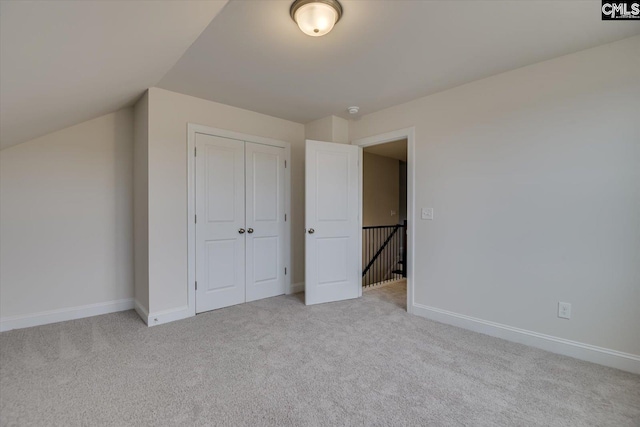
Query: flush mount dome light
point(316, 17)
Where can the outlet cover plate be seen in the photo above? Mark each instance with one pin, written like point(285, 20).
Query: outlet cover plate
point(564, 310)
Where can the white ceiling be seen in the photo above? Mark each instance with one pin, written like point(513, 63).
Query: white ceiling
point(380, 54)
point(63, 62)
point(395, 149)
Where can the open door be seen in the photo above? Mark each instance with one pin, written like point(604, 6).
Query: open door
point(333, 259)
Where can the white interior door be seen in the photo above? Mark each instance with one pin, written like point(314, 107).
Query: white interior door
point(332, 263)
point(220, 222)
point(265, 220)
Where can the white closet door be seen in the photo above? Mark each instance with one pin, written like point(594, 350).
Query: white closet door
point(265, 210)
point(220, 210)
point(332, 261)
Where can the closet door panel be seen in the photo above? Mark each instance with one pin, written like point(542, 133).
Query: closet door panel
point(220, 212)
point(265, 210)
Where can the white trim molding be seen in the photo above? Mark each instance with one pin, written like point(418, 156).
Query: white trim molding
point(590, 353)
point(54, 316)
point(166, 316)
point(142, 312)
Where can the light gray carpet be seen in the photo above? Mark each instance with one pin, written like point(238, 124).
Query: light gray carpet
point(276, 362)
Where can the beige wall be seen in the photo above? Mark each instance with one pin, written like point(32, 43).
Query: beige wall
point(141, 201)
point(534, 175)
point(329, 129)
point(319, 130)
point(169, 114)
point(380, 190)
point(66, 218)
point(340, 130)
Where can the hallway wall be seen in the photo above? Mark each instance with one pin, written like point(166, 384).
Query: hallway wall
point(380, 190)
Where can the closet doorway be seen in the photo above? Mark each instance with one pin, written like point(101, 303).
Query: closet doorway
point(239, 193)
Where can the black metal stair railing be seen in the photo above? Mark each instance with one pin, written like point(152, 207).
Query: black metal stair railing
point(384, 251)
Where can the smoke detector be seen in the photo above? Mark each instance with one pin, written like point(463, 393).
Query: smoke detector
point(353, 110)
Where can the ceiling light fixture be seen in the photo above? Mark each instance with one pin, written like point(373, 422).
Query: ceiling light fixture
point(316, 17)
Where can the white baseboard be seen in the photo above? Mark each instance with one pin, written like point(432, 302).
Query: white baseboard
point(64, 314)
point(166, 316)
point(295, 288)
point(590, 353)
point(142, 312)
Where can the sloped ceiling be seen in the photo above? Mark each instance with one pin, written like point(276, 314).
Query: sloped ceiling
point(380, 54)
point(63, 62)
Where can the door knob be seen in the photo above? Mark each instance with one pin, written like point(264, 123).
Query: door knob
point(241, 231)
point(250, 230)
point(311, 231)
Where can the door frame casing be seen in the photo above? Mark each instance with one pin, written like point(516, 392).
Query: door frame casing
point(192, 130)
point(409, 134)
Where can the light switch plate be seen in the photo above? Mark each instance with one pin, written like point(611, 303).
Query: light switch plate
point(427, 213)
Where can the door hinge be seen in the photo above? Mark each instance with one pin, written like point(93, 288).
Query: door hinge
point(195, 151)
point(285, 270)
point(195, 219)
point(196, 285)
point(285, 217)
point(285, 164)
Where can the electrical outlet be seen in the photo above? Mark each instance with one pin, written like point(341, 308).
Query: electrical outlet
point(564, 310)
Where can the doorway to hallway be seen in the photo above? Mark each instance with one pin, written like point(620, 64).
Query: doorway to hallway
point(393, 292)
point(384, 214)
point(404, 140)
